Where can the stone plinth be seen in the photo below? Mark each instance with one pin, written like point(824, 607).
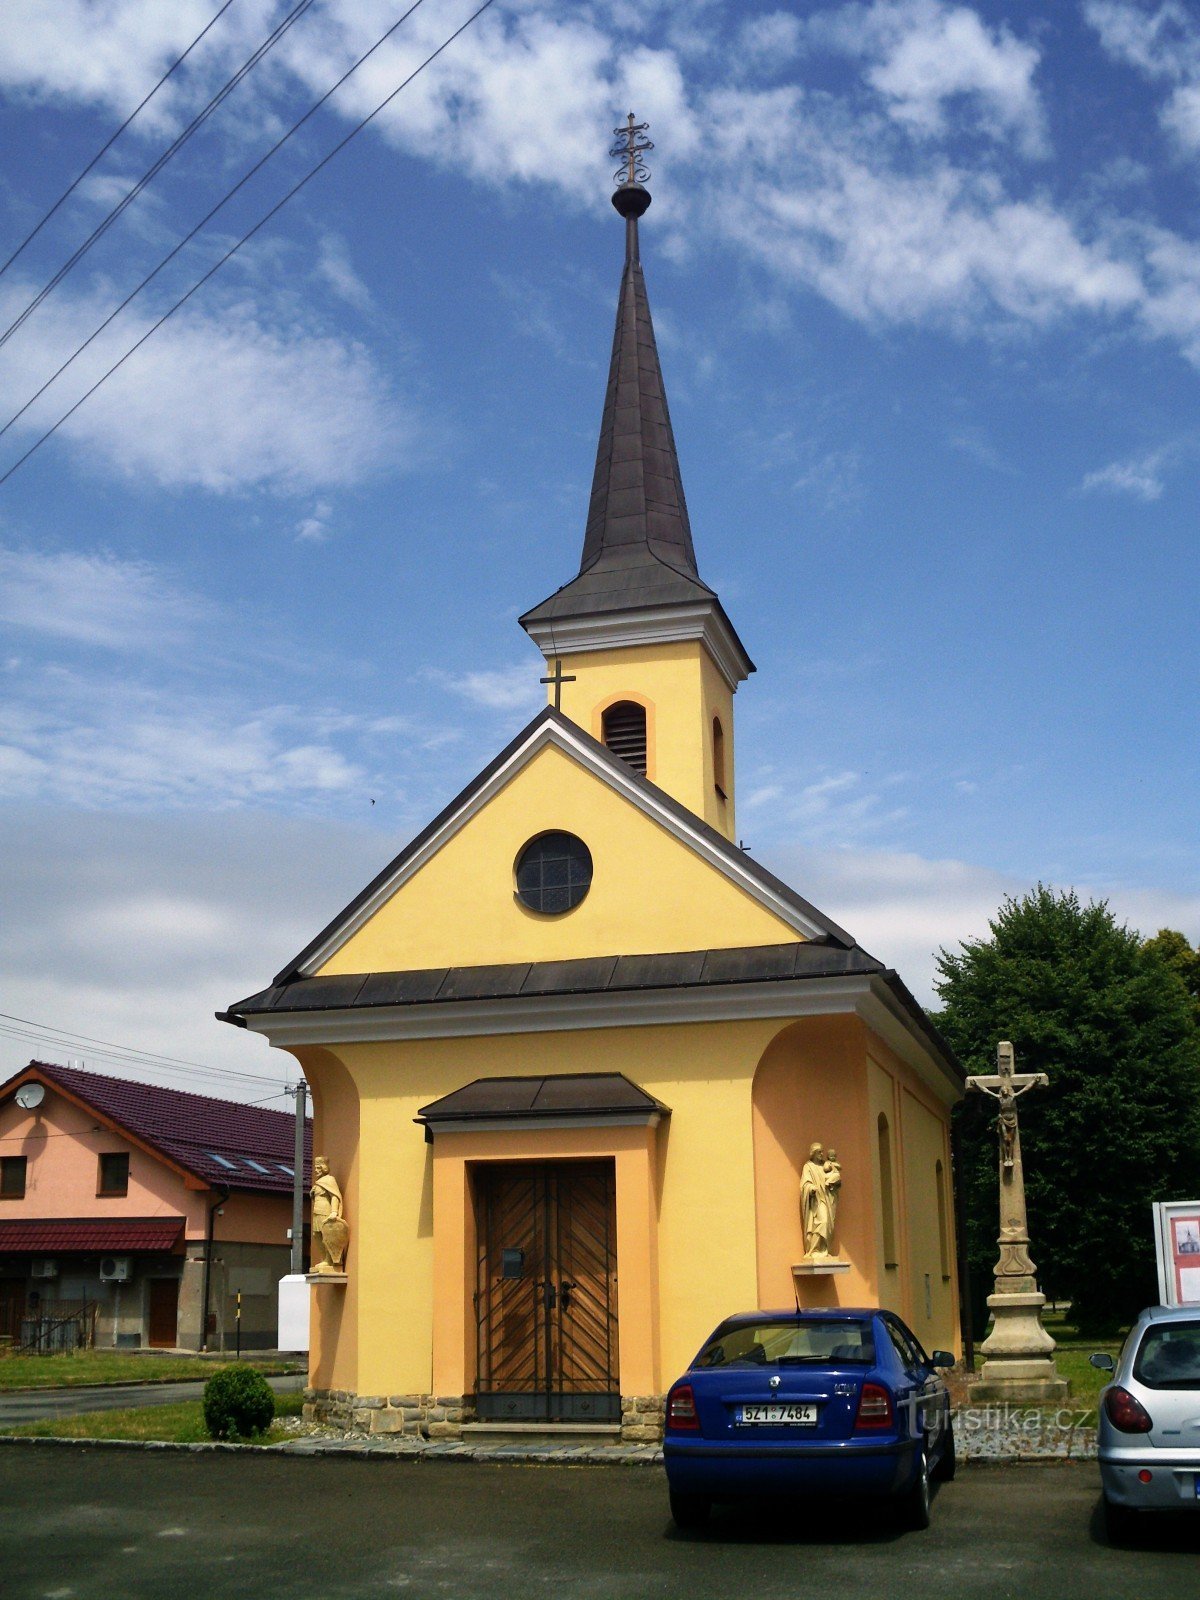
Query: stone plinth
point(326, 1277)
point(1018, 1354)
point(819, 1267)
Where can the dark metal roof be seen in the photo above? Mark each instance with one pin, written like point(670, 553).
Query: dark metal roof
point(228, 1144)
point(584, 1094)
point(87, 1234)
point(637, 548)
point(589, 975)
point(746, 863)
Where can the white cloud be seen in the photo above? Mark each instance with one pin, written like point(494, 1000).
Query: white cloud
point(1141, 477)
point(1163, 43)
point(903, 907)
point(314, 528)
point(137, 929)
point(512, 688)
point(337, 269)
point(222, 398)
point(93, 598)
point(926, 58)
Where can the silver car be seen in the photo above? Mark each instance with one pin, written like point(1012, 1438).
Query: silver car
point(1149, 1431)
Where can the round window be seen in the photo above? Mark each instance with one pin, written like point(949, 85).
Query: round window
point(554, 872)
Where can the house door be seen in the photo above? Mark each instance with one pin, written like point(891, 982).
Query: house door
point(546, 1293)
point(164, 1313)
point(12, 1308)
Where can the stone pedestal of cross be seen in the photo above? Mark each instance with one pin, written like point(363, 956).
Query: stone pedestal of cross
point(1019, 1353)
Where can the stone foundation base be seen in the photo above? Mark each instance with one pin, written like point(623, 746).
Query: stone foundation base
point(427, 1416)
point(642, 1418)
point(420, 1416)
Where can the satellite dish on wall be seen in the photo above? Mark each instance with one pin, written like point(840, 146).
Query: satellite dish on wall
point(30, 1095)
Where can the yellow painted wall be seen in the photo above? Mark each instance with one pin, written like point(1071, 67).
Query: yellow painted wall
point(649, 891)
point(682, 691)
point(934, 1300)
point(380, 1342)
point(747, 1099)
point(883, 1101)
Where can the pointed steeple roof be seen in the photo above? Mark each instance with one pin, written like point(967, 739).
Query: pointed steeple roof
point(637, 548)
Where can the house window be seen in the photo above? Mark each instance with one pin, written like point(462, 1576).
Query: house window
point(939, 1178)
point(114, 1174)
point(719, 758)
point(623, 730)
point(12, 1177)
point(886, 1192)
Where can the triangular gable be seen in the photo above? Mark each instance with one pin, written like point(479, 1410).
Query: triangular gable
point(36, 1072)
point(783, 911)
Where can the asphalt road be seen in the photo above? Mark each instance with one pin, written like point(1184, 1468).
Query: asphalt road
point(31, 1405)
point(79, 1524)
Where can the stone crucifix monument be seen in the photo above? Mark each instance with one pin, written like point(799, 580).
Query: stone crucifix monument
point(1019, 1353)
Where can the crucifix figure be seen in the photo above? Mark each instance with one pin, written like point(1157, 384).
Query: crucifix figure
point(1004, 1086)
point(558, 678)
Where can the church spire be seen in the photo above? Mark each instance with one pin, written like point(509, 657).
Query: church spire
point(643, 656)
point(637, 547)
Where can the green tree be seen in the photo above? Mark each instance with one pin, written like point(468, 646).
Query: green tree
point(1172, 948)
point(1084, 1001)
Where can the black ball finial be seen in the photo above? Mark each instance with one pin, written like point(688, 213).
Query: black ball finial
point(631, 200)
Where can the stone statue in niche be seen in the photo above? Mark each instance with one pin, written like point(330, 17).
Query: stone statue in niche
point(820, 1186)
point(330, 1231)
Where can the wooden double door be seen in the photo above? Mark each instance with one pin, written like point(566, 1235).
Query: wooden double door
point(546, 1293)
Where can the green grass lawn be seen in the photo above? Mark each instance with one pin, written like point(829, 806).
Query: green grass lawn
point(112, 1366)
point(178, 1424)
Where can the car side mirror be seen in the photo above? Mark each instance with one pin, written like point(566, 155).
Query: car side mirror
point(941, 1358)
point(1102, 1361)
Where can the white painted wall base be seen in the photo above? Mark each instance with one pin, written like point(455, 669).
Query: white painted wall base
point(294, 1298)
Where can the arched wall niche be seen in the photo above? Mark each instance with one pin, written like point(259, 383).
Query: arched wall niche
point(333, 1331)
point(810, 1086)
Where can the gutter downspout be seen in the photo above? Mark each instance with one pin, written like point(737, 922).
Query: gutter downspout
point(960, 1240)
point(208, 1251)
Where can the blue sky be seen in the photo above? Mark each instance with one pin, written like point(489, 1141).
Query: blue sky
point(926, 280)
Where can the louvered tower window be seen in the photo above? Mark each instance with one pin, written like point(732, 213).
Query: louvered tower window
point(624, 732)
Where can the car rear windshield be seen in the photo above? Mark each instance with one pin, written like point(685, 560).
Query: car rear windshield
point(1169, 1356)
point(767, 1343)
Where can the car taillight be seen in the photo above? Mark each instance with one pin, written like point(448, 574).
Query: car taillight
point(1126, 1413)
point(874, 1408)
point(681, 1410)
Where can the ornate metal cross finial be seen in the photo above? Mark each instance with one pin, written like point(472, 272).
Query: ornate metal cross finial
point(631, 144)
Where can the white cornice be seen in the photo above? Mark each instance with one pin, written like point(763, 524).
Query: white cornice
point(867, 997)
point(704, 620)
point(565, 739)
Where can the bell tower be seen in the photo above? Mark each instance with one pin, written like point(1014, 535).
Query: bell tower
point(641, 653)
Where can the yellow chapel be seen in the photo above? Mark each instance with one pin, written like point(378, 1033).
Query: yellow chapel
point(570, 1051)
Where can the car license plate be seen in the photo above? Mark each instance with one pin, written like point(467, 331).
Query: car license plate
point(805, 1415)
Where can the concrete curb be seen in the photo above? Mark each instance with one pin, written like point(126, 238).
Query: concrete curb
point(997, 1452)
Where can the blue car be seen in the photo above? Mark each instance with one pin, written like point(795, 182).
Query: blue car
point(837, 1402)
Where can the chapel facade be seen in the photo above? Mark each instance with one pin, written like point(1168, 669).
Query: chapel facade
point(571, 1050)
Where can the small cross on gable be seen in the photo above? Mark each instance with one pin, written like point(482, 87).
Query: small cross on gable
point(558, 677)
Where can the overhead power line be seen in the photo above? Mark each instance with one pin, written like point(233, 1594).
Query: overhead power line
point(130, 1055)
point(105, 148)
point(156, 167)
point(207, 218)
point(246, 237)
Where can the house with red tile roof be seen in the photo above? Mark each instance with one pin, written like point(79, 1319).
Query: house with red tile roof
point(157, 1207)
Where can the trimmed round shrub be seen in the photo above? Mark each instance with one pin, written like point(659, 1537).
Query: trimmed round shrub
point(238, 1403)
